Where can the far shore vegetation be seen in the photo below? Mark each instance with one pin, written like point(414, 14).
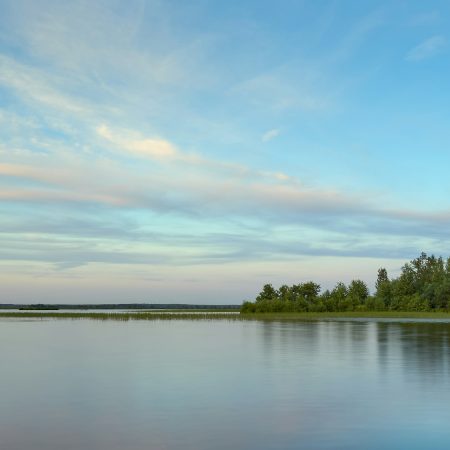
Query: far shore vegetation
point(120, 306)
point(423, 286)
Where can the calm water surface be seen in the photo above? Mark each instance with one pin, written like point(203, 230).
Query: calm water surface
point(83, 384)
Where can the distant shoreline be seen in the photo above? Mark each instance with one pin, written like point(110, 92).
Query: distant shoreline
point(113, 306)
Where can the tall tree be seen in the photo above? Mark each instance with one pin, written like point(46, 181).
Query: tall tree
point(268, 293)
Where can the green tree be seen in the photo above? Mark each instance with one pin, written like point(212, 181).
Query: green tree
point(382, 277)
point(357, 294)
point(309, 291)
point(268, 293)
point(383, 290)
point(284, 293)
point(339, 297)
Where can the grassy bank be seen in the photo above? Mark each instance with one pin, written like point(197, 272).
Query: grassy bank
point(204, 315)
point(349, 315)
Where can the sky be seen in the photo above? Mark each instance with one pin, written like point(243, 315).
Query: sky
point(174, 151)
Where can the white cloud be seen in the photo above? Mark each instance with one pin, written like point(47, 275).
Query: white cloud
point(155, 148)
point(270, 134)
point(426, 49)
point(151, 148)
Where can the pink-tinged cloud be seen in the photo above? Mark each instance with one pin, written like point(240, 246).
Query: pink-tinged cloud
point(42, 195)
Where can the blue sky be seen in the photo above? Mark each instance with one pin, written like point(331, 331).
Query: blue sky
point(193, 151)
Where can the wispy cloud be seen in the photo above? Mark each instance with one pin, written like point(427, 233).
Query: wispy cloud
point(270, 134)
point(32, 86)
point(284, 89)
point(206, 192)
point(135, 144)
point(427, 49)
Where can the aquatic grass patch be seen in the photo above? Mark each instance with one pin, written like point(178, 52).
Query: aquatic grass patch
point(122, 316)
point(201, 316)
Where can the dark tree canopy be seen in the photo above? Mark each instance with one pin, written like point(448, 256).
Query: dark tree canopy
point(423, 285)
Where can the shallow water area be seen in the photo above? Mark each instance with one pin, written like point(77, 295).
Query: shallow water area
point(327, 384)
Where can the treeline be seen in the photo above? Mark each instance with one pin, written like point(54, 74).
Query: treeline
point(38, 306)
point(423, 285)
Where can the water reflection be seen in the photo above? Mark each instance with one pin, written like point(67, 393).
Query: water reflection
point(224, 384)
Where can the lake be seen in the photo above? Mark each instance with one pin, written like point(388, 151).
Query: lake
point(223, 384)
